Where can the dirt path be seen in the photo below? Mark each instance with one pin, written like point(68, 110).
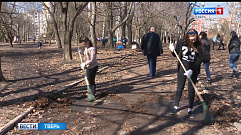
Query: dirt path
point(128, 102)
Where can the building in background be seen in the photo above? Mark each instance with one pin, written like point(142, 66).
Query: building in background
point(205, 23)
point(39, 22)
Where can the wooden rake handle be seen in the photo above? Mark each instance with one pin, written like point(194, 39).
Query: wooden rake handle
point(80, 58)
point(194, 86)
point(86, 80)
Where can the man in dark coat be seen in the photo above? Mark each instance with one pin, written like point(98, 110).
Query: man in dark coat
point(151, 47)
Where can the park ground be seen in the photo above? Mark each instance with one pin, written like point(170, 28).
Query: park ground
point(127, 101)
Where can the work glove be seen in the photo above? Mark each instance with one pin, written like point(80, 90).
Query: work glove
point(171, 47)
point(82, 66)
point(188, 73)
point(79, 50)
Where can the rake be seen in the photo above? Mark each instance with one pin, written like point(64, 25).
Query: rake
point(90, 94)
point(207, 116)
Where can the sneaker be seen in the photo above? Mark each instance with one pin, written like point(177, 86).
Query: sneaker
point(208, 81)
point(148, 76)
point(190, 114)
point(173, 111)
point(233, 75)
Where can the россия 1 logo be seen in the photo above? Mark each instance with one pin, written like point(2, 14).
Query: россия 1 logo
point(208, 11)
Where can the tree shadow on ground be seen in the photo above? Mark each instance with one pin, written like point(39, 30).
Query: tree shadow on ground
point(52, 79)
point(44, 54)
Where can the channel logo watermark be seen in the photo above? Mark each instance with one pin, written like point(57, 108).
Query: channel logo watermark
point(208, 11)
point(41, 126)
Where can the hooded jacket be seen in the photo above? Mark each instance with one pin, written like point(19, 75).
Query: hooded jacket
point(234, 45)
point(206, 49)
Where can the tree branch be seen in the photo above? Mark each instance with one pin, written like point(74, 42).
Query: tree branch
point(124, 20)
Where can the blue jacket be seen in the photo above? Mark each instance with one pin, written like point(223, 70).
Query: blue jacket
point(39, 44)
point(214, 38)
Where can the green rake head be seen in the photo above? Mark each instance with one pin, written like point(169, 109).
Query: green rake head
point(207, 116)
point(91, 97)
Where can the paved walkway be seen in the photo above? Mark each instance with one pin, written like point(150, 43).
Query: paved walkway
point(131, 103)
point(144, 104)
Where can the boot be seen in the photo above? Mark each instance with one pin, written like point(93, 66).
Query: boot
point(232, 75)
point(236, 74)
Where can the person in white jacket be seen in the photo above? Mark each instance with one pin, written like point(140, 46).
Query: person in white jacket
point(90, 63)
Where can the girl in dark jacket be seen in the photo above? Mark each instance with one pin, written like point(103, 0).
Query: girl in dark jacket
point(190, 52)
point(234, 53)
point(206, 54)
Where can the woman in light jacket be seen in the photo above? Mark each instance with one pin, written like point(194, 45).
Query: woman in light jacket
point(90, 63)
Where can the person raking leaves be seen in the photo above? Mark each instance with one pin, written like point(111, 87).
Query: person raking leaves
point(90, 64)
point(190, 53)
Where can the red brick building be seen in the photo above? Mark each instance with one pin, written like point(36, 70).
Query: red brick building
point(198, 25)
point(205, 24)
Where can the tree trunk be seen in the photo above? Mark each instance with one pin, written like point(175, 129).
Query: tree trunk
point(110, 39)
point(57, 37)
point(0, 6)
point(129, 28)
point(109, 25)
point(10, 40)
point(2, 78)
point(124, 25)
point(92, 25)
point(188, 21)
point(139, 36)
point(50, 41)
point(56, 31)
point(67, 46)
point(130, 12)
point(77, 35)
point(69, 28)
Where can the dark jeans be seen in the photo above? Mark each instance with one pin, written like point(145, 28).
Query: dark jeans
point(233, 59)
point(152, 64)
point(206, 68)
point(91, 73)
point(221, 44)
point(114, 43)
point(103, 44)
point(181, 79)
point(214, 44)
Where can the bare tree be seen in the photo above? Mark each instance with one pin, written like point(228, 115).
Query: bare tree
point(234, 10)
point(6, 20)
point(2, 78)
point(92, 24)
point(52, 9)
point(111, 28)
point(129, 26)
point(147, 14)
point(123, 14)
point(69, 25)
